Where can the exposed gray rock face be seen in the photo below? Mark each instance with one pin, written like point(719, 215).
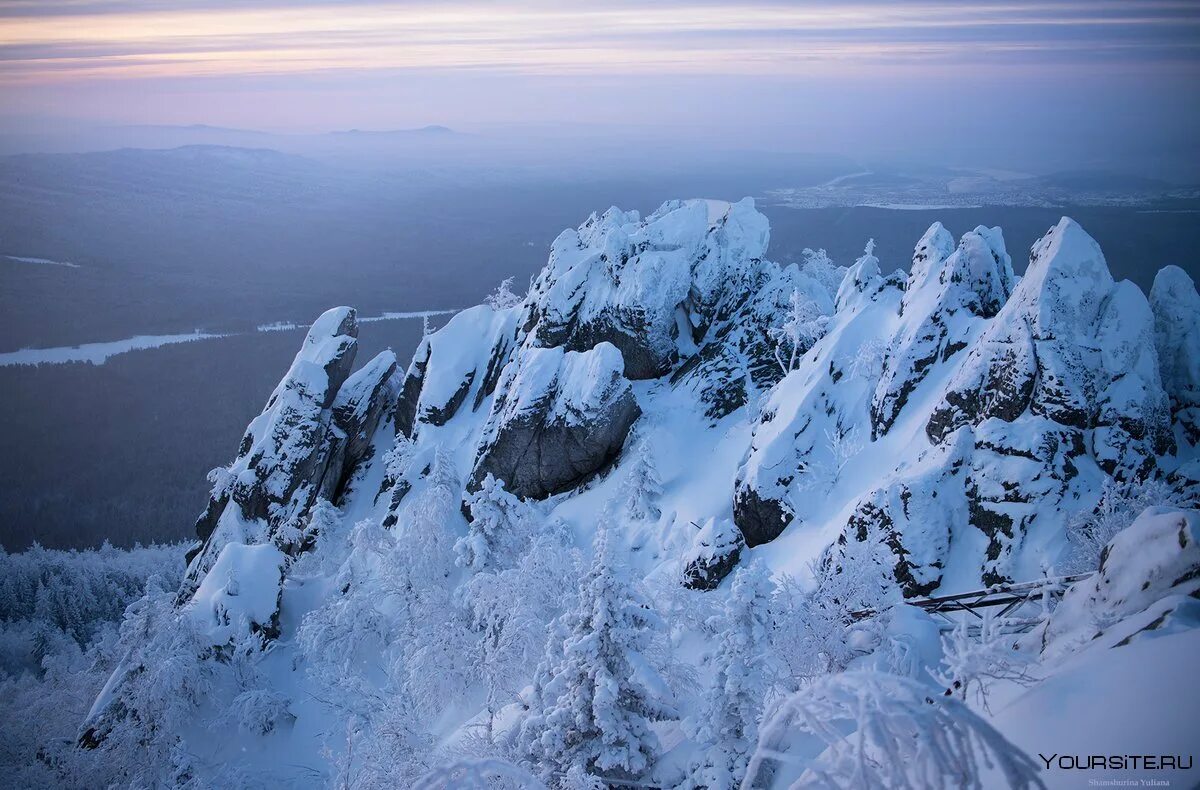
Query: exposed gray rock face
point(358, 409)
point(761, 519)
point(315, 428)
point(715, 552)
point(743, 352)
point(1176, 304)
point(644, 286)
point(559, 417)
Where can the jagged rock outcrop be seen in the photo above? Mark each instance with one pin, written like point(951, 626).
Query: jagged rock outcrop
point(1042, 389)
point(360, 406)
point(453, 361)
point(315, 428)
point(559, 417)
point(814, 420)
point(645, 286)
point(948, 294)
point(1176, 304)
point(918, 515)
point(747, 349)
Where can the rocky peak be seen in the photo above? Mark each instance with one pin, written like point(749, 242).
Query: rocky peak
point(1176, 304)
point(644, 285)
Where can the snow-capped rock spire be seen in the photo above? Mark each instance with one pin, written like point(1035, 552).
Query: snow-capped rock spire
point(1176, 304)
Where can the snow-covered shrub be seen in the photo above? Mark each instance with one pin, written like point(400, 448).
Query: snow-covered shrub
point(867, 363)
point(873, 731)
point(971, 662)
point(821, 629)
point(1120, 503)
point(597, 692)
point(503, 297)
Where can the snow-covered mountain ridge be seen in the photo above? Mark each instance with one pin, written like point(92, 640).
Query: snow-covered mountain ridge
point(705, 409)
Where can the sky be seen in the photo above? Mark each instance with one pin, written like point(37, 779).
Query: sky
point(1090, 79)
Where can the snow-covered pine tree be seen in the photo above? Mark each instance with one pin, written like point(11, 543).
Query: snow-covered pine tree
point(733, 701)
point(599, 695)
point(501, 526)
point(510, 609)
point(641, 489)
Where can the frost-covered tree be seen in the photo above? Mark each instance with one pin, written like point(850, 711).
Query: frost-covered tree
point(819, 267)
point(972, 661)
point(509, 609)
point(166, 673)
point(733, 702)
point(503, 297)
point(1120, 503)
point(868, 359)
point(640, 491)
point(844, 446)
point(501, 527)
point(874, 731)
point(597, 691)
point(803, 325)
point(821, 629)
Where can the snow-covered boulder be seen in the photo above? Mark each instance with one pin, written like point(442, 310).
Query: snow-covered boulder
point(240, 594)
point(715, 551)
point(1154, 562)
point(559, 417)
point(1176, 306)
point(645, 286)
